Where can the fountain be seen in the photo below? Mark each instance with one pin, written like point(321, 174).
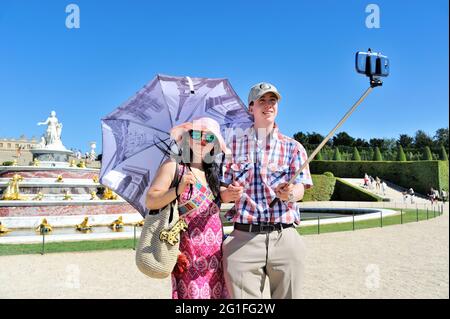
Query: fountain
point(54, 188)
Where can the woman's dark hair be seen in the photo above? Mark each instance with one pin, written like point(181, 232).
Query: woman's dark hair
point(212, 173)
point(212, 169)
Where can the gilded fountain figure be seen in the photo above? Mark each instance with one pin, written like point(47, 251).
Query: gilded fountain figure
point(12, 190)
point(44, 227)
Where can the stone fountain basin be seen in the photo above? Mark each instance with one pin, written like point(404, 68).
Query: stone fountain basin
point(58, 201)
point(43, 168)
point(31, 222)
point(51, 182)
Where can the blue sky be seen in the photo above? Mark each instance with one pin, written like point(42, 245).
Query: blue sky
point(306, 48)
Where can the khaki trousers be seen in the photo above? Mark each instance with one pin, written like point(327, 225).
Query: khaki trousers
point(248, 258)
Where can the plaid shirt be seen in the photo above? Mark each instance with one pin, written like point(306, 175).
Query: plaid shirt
point(260, 167)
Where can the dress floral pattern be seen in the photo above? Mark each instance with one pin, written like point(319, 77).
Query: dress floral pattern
point(201, 244)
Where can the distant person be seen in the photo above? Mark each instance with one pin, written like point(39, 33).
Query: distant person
point(371, 182)
point(383, 187)
point(436, 194)
point(377, 183)
point(366, 180)
point(411, 194)
point(443, 195)
point(432, 196)
point(405, 196)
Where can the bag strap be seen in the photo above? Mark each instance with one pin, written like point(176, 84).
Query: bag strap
point(175, 183)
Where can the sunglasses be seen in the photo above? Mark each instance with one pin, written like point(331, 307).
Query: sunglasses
point(197, 135)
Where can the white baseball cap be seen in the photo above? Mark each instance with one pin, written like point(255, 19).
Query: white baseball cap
point(260, 89)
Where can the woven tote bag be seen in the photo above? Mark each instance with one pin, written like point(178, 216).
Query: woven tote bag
point(155, 257)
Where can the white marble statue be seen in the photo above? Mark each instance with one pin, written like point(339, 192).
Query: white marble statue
point(52, 136)
point(92, 155)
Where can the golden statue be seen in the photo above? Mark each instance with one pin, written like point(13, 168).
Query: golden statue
point(117, 224)
point(84, 226)
point(141, 223)
point(12, 190)
point(95, 179)
point(59, 179)
point(109, 194)
point(3, 229)
point(72, 163)
point(94, 195)
point(82, 164)
point(36, 162)
point(44, 227)
point(39, 196)
point(67, 196)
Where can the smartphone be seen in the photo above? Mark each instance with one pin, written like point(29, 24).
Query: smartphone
point(372, 64)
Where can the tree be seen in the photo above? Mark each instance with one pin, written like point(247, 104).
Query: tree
point(337, 155)
point(389, 144)
point(422, 139)
point(441, 137)
point(401, 157)
point(302, 138)
point(410, 156)
point(377, 155)
point(319, 156)
point(376, 142)
point(405, 140)
point(359, 142)
point(343, 139)
point(426, 155)
point(371, 154)
point(315, 138)
point(356, 156)
point(443, 154)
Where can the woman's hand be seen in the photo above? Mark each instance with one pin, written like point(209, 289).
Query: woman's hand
point(232, 193)
point(186, 180)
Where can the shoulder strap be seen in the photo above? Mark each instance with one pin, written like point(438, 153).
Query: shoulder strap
point(175, 182)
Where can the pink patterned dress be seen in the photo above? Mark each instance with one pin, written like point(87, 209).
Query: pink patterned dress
point(201, 244)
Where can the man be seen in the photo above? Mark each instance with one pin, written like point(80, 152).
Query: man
point(264, 242)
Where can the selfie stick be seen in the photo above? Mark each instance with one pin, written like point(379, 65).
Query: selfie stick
point(374, 82)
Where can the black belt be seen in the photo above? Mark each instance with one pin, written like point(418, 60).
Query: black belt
point(261, 228)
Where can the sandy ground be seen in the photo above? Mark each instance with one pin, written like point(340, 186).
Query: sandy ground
point(402, 261)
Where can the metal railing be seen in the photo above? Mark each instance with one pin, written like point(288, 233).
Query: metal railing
point(437, 209)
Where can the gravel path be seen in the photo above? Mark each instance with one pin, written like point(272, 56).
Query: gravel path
point(401, 261)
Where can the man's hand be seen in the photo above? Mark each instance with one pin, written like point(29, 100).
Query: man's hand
point(232, 193)
point(283, 190)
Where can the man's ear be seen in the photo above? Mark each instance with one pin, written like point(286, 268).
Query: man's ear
point(250, 108)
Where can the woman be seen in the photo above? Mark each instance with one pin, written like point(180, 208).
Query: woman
point(198, 273)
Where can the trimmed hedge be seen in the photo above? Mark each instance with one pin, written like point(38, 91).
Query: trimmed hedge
point(327, 187)
point(356, 156)
point(420, 175)
point(322, 189)
point(349, 192)
point(443, 175)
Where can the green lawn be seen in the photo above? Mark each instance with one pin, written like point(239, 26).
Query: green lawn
point(21, 249)
point(58, 247)
point(409, 215)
